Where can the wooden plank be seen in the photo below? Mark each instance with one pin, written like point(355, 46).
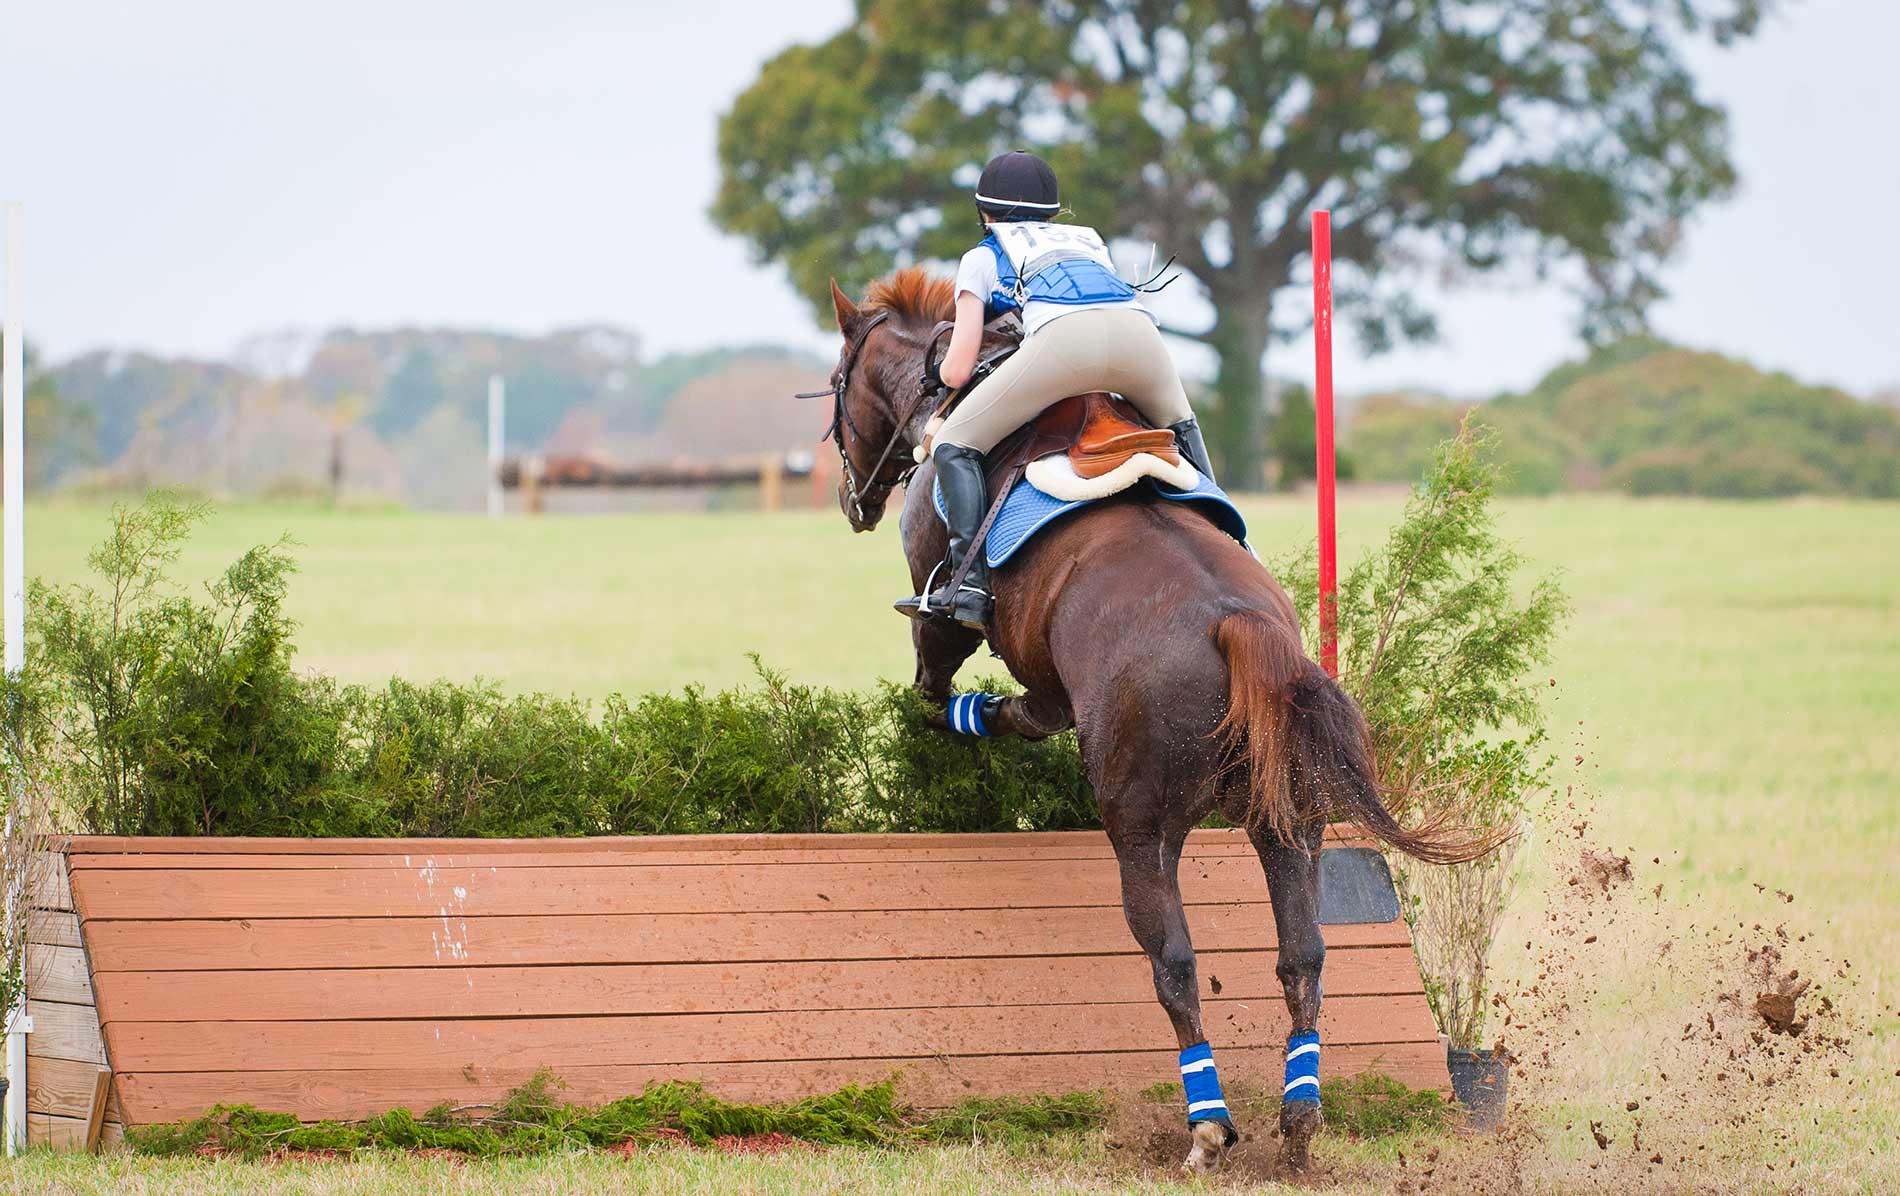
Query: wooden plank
point(51, 890)
point(930, 1083)
point(96, 1114)
point(68, 1133)
point(192, 845)
point(1228, 839)
point(58, 974)
point(62, 1031)
point(140, 946)
point(736, 1037)
point(375, 993)
point(477, 858)
point(60, 1086)
point(53, 929)
point(630, 889)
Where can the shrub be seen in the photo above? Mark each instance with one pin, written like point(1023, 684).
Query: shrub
point(170, 715)
point(1370, 1105)
point(953, 783)
point(173, 714)
point(782, 758)
point(1438, 647)
point(185, 714)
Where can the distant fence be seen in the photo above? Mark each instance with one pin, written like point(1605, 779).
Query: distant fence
point(533, 476)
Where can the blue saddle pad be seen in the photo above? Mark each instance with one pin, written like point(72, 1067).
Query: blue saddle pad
point(1028, 510)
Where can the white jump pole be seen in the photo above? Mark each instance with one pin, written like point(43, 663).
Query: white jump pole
point(497, 416)
point(13, 568)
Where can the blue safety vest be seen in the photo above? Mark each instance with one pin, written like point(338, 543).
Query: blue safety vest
point(1051, 263)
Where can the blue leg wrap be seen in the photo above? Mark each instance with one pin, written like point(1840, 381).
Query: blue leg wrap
point(1302, 1070)
point(1202, 1084)
point(968, 713)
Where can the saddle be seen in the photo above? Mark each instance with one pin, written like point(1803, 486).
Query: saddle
point(1089, 446)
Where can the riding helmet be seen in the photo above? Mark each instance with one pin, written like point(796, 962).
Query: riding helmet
point(1017, 186)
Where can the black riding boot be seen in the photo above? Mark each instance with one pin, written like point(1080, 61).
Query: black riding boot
point(965, 500)
point(1187, 434)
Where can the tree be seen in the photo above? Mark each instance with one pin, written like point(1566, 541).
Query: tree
point(1443, 134)
point(1293, 437)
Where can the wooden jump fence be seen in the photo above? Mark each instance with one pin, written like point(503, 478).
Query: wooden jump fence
point(341, 978)
point(534, 476)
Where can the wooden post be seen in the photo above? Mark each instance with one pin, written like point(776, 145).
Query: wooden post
point(13, 577)
point(96, 1118)
point(531, 485)
point(497, 442)
point(771, 479)
point(1323, 412)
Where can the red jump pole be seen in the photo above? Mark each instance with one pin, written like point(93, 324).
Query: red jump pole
point(1323, 412)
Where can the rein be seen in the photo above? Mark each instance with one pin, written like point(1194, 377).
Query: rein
point(858, 491)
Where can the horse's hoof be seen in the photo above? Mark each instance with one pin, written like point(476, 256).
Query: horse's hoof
point(1209, 1149)
point(1298, 1123)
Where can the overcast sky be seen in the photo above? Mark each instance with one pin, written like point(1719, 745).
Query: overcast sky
point(201, 171)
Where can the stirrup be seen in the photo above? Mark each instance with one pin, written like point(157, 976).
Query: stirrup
point(918, 606)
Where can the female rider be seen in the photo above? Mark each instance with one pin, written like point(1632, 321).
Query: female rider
point(1084, 329)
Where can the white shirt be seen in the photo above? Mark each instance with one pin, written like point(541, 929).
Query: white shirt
point(976, 274)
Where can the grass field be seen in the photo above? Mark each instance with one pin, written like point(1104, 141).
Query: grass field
point(1730, 684)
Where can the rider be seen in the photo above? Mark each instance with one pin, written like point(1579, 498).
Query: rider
point(1084, 330)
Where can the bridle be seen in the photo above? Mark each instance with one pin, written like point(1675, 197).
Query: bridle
point(858, 491)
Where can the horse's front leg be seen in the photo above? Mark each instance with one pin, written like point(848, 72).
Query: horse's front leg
point(1293, 883)
point(942, 647)
point(1151, 900)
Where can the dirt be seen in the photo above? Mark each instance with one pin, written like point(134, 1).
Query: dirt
point(1677, 1043)
point(1151, 1138)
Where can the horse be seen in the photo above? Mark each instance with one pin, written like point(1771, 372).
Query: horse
point(1177, 659)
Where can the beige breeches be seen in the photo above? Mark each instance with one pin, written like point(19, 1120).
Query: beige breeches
point(1098, 349)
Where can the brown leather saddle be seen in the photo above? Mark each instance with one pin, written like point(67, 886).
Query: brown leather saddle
point(1098, 431)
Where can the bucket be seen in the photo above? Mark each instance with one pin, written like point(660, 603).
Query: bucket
point(1481, 1083)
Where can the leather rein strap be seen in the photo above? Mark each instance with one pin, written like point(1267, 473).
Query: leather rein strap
point(841, 419)
point(928, 391)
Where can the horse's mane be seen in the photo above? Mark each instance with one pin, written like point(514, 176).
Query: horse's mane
point(914, 295)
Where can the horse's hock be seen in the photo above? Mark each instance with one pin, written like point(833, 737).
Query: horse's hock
point(341, 978)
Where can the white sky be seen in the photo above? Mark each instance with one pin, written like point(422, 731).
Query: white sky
point(200, 171)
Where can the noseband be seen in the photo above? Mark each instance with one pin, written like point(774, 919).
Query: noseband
point(858, 491)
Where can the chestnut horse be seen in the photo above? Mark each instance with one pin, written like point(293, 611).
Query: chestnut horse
point(1177, 659)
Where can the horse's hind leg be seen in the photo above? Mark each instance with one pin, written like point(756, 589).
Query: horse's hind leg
point(1151, 900)
point(1293, 883)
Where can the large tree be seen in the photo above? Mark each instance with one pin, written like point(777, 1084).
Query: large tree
point(1445, 135)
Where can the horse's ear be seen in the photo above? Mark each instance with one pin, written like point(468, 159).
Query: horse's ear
point(849, 317)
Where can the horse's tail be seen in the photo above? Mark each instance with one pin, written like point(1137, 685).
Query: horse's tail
point(1305, 744)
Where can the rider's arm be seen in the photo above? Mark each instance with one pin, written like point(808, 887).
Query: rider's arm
point(959, 360)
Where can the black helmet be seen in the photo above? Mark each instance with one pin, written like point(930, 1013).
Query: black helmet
point(1017, 186)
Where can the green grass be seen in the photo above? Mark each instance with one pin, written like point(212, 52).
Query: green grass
point(1730, 680)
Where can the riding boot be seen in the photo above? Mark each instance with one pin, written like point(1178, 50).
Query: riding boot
point(1187, 434)
point(961, 477)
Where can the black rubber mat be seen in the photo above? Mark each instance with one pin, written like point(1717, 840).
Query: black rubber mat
point(1355, 886)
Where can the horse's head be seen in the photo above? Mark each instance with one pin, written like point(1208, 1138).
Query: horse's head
point(876, 391)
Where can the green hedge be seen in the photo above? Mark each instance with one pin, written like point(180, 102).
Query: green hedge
point(157, 712)
point(152, 711)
